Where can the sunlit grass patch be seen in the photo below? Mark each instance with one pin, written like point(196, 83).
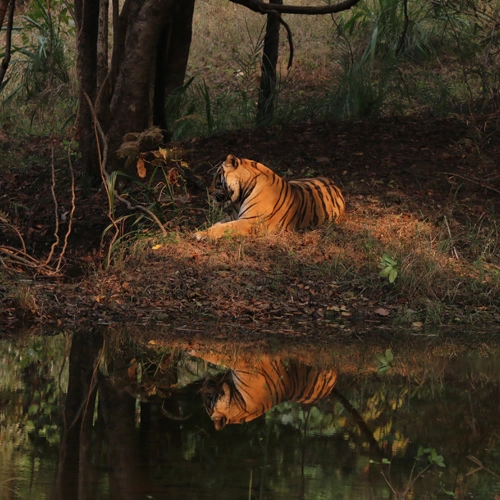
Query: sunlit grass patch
point(328, 271)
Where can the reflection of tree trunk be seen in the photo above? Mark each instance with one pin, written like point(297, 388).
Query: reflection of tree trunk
point(171, 59)
point(118, 413)
point(267, 92)
point(74, 451)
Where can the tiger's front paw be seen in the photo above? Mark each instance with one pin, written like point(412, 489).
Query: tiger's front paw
point(201, 235)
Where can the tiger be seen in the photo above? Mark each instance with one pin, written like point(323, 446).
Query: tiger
point(250, 389)
point(260, 200)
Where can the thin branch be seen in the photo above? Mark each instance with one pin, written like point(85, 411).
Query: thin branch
point(54, 197)
point(25, 259)
point(71, 214)
point(103, 157)
point(10, 226)
point(143, 209)
point(265, 8)
point(105, 177)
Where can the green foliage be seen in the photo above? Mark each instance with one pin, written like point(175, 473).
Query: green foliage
point(389, 268)
point(41, 62)
point(196, 109)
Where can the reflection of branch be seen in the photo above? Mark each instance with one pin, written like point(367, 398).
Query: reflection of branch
point(265, 8)
point(171, 416)
point(359, 421)
point(480, 467)
point(474, 181)
point(93, 384)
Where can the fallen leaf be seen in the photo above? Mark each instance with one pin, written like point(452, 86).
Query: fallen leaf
point(323, 160)
point(382, 312)
point(141, 169)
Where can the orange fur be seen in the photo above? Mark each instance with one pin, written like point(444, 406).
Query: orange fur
point(261, 200)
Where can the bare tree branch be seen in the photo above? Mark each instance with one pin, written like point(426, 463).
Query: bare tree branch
point(265, 8)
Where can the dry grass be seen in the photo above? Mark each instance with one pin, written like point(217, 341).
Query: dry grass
point(329, 274)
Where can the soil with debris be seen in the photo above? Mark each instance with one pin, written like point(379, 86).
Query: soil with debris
point(435, 167)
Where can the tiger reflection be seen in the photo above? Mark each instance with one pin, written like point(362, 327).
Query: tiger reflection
point(248, 390)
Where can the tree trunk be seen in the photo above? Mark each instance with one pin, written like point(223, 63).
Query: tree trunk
point(129, 106)
point(8, 37)
point(102, 43)
point(267, 91)
point(171, 60)
point(87, 19)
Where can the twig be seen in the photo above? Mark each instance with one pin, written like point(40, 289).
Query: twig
point(103, 158)
point(454, 250)
point(143, 209)
point(14, 228)
point(54, 197)
point(27, 260)
point(105, 177)
point(72, 212)
point(474, 181)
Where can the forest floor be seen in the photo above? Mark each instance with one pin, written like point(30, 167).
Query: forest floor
point(424, 191)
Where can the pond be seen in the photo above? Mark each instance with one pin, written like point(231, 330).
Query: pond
point(117, 415)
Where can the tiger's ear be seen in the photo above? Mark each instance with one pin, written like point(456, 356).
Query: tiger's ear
point(231, 163)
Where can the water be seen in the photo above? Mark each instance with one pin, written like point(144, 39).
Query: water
point(110, 415)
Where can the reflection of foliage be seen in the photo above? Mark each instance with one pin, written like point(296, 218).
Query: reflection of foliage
point(42, 402)
point(313, 420)
point(318, 448)
point(31, 379)
point(430, 458)
point(384, 361)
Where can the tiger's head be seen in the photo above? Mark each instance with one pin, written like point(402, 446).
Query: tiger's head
point(227, 182)
point(224, 403)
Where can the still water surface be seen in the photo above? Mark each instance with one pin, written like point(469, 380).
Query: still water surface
point(106, 416)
